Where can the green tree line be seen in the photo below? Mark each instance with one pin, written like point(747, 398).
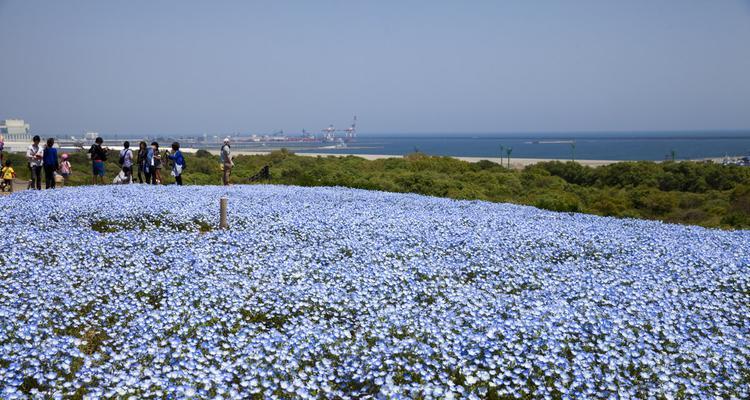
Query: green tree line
point(706, 194)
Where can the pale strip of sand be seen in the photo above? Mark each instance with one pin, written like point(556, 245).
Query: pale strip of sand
point(516, 163)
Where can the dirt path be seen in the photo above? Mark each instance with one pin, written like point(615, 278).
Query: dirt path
point(18, 185)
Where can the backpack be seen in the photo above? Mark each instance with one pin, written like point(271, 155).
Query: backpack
point(97, 150)
point(221, 154)
point(123, 153)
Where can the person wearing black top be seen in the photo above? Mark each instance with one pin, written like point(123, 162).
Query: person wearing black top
point(98, 155)
point(142, 163)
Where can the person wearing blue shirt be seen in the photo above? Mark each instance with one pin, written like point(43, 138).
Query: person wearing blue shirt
point(50, 164)
point(178, 162)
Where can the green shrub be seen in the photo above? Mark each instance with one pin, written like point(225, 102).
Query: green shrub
point(558, 201)
point(203, 154)
point(609, 203)
point(659, 203)
point(738, 213)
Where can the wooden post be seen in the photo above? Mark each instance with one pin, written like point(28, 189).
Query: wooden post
point(223, 213)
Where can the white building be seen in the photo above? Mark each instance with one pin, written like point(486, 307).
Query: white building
point(91, 135)
point(15, 130)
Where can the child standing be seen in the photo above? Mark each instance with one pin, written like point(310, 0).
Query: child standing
point(65, 168)
point(8, 174)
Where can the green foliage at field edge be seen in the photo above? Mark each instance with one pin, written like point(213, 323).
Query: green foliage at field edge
point(706, 194)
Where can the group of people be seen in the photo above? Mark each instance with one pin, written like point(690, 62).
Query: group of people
point(45, 159)
point(149, 163)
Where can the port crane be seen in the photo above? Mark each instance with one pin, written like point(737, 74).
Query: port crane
point(329, 134)
point(350, 133)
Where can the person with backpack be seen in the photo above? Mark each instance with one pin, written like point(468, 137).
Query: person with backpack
point(126, 161)
point(50, 164)
point(34, 155)
point(226, 162)
point(98, 154)
point(178, 163)
point(142, 171)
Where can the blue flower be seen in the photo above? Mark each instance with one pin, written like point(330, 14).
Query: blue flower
point(332, 292)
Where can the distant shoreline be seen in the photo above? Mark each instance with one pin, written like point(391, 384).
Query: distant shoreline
point(516, 163)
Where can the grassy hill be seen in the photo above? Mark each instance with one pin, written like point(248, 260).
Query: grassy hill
point(703, 194)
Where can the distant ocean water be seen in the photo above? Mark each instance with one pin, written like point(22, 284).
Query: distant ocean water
point(620, 146)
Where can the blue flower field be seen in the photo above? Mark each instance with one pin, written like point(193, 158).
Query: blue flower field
point(119, 291)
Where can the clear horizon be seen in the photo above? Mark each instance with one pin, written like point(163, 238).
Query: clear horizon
point(552, 67)
point(738, 133)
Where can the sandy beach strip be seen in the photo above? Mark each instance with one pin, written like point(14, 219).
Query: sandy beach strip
point(515, 163)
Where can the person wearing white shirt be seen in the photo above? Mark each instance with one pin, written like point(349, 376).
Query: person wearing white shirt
point(126, 160)
point(34, 155)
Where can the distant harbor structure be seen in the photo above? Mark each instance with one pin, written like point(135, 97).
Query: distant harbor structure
point(15, 130)
point(741, 161)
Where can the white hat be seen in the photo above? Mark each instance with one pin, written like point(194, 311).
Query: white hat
point(226, 140)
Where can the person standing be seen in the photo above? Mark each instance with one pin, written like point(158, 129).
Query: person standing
point(8, 174)
point(34, 155)
point(155, 164)
point(178, 163)
point(150, 170)
point(2, 146)
point(142, 151)
point(126, 160)
point(65, 168)
point(50, 164)
point(226, 161)
point(98, 155)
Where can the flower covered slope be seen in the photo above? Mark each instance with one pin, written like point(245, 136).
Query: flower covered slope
point(331, 292)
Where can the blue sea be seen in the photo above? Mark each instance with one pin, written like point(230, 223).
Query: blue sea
point(602, 146)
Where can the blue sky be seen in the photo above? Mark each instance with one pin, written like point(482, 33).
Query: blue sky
point(185, 67)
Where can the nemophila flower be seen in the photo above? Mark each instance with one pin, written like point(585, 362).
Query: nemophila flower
point(339, 293)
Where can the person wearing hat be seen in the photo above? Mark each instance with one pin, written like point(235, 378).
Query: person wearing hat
point(226, 161)
point(65, 168)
